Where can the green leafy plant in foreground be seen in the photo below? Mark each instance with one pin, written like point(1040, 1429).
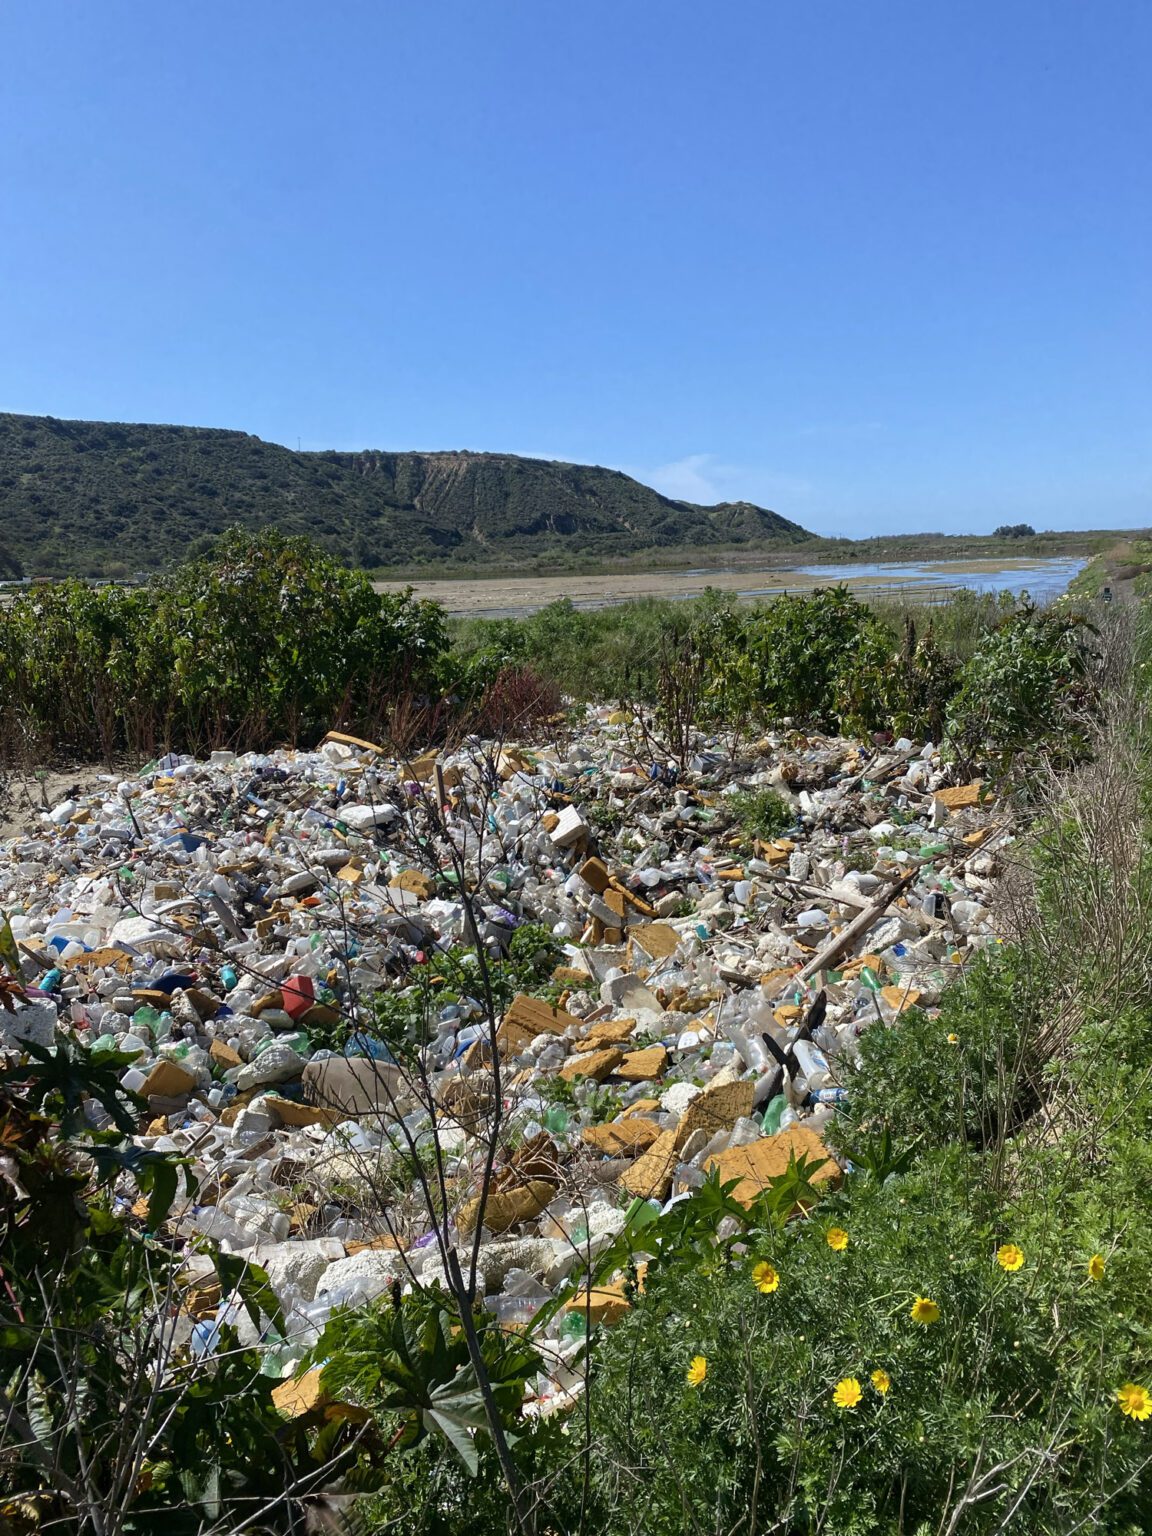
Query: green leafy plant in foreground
point(112, 1423)
point(1007, 1367)
point(407, 1360)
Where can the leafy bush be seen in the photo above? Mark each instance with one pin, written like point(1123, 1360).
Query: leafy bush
point(264, 639)
point(407, 1359)
point(783, 659)
point(111, 1424)
point(761, 813)
point(969, 1075)
point(826, 660)
point(904, 688)
point(591, 654)
point(1027, 688)
point(824, 1405)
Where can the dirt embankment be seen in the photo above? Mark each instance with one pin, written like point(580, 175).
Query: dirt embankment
point(24, 795)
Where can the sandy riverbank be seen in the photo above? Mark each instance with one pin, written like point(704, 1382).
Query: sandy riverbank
point(508, 595)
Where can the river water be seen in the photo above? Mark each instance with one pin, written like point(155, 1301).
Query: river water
point(929, 580)
point(1043, 580)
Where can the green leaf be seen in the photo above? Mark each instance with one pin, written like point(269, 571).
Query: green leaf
point(163, 1193)
point(456, 1434)
point(251, 1282)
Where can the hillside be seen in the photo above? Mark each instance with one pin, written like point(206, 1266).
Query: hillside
point(104, 498)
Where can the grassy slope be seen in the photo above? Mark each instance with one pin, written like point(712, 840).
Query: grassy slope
point(99, 498)
point(1124, 564)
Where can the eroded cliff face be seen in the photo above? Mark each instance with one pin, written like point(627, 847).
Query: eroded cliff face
point(111, 498)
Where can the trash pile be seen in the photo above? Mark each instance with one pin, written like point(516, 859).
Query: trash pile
point(229, 923)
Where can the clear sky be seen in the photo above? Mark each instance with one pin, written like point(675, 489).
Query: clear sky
point(877, 264)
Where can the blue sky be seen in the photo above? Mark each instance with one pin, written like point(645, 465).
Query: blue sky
point(879, 264)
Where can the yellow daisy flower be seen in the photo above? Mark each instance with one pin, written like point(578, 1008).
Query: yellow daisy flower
point(1010, 1258)
point(1134, 1401)
point(837, 1239)
point(924, 1310)
point(847, 1393)
point(953, 1039)
point(697, 1371)
point(881, 1381)
point(765, 1277)
point(1096, 1267)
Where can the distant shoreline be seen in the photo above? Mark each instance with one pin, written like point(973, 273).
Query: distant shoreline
point(766, 556)
point(514, 596)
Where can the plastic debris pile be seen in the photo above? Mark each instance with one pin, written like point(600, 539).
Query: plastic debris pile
point(228, 923)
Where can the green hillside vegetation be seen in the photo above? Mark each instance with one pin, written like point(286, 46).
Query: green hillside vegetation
point(109, 499)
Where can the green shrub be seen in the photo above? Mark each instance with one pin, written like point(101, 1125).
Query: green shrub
point(904, 688)
point(591, 654)
point(407, 1360)
point(1028, 688)
point(825, 660)
point(1007, 1401)
point(782, 659)
point(761, 813)
point(264, 639)
point(968, 1075)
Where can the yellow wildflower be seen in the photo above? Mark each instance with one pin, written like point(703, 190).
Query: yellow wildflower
point(924, 1310)
point(765, 1277)
point(837, 1239)
point(1010, 1258)
point(881, 1381)
point(1135, 1401)
point(953, 1039)
point(697, 1371)
point(1096, 1267)
point(847, 1393)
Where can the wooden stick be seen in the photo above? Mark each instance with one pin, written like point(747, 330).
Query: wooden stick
point(354, 741)
point(847, 936)
point(836, 947)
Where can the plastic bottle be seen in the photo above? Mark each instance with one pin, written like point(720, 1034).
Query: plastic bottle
point(770, 1123)
point(752, 1050)
point(812, 1064)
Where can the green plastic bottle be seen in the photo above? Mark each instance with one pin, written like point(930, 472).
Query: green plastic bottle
point(556, 1120)
point(641, 1213)
point(770, 1124)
